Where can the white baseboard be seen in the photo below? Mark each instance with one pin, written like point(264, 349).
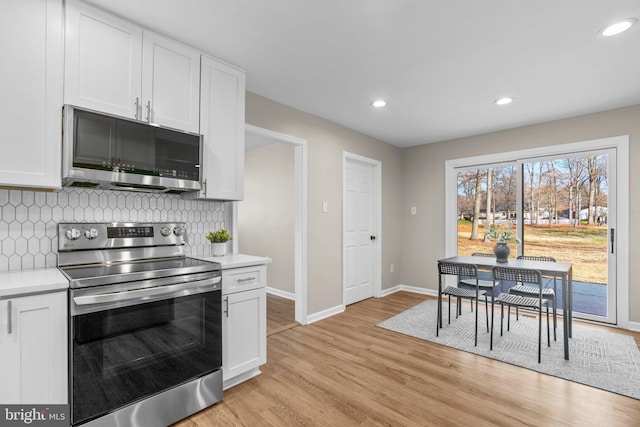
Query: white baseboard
point(634, 326)
point(283, 294)
point(231, 382)
point(408, 288)
point(325, 313)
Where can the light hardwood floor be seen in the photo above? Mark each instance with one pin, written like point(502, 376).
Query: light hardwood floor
point(280, 314)
point(344, 371)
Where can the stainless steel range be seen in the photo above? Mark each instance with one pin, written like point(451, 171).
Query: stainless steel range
point(145, 324)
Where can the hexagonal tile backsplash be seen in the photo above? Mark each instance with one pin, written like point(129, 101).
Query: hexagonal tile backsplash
point(29, 219)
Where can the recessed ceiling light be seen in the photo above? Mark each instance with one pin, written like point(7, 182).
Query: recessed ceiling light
point(379, 103)
point(503, 101)
point(617, 27)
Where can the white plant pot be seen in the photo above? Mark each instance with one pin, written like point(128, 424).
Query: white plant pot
point(218, 249)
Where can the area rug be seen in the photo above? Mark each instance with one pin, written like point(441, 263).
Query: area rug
point(598, 358)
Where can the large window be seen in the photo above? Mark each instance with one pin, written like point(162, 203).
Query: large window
point(561, 205)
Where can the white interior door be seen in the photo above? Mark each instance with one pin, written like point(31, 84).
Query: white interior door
point(359, 235)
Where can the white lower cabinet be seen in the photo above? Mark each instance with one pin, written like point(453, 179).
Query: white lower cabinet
point(33, 349)
point(244, 323)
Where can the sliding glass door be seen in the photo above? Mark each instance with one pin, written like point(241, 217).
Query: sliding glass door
point(568, 211)
point(561, 206)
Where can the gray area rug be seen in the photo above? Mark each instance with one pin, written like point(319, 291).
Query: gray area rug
point(600, 359)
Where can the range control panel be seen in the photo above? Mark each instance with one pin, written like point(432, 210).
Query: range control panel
point(82, 236)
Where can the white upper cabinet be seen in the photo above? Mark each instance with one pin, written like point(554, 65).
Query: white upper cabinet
point(114, 66)
point(31, 42)
point(222, 125)
point(103, 61)
point(170, 83)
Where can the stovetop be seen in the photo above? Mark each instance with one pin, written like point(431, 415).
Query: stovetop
point(95, 254)
point(94, 275)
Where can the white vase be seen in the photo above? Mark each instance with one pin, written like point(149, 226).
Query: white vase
point(218, 249)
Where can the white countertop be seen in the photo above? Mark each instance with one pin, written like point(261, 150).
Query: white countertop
point(19, 282)
point(237, 260)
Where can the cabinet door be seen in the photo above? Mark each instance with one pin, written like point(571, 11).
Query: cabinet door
point(31, 88)
point(170, 83)
point(103, 61)
point(222, 125)
point(244, 332)
point(33, 349)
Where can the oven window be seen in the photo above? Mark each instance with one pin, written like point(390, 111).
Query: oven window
point(126, 354)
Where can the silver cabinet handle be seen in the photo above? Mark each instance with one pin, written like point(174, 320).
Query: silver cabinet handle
point(204, 187)
point(226, 304)
point(137, 105)
point(9, 326)
point(247, 279)
point(149, 111)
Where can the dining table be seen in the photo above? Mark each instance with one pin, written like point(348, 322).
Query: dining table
point(564, 270)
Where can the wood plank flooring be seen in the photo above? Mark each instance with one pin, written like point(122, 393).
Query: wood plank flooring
point(344, 371)
point(280, 314)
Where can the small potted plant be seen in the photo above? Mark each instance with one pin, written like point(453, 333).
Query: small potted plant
point(502, 235)
point(218, 241)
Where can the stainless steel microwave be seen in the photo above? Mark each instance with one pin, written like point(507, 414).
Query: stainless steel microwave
point(110, 152)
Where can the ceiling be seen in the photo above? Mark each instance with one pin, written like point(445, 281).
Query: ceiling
point(439, 64)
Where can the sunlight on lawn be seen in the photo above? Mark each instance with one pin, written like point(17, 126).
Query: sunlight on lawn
point(585, 247)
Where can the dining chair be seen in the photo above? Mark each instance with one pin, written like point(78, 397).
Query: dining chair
point(459, 270)
point(532, 291)
point(521, 275)
point(488, 286)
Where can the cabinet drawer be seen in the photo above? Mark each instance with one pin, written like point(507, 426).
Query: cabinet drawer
point(243, 279)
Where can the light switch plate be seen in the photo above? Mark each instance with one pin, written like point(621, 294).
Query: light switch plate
point(325, 207)
point(414, 210)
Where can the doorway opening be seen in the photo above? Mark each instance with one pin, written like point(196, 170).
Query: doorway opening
point(273, 220)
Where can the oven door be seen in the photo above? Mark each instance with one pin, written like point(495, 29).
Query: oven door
point(129, 342)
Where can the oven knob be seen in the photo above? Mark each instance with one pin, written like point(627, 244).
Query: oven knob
point(178, 231)
point(165, 231)
point(91, 233)
point(73, 234)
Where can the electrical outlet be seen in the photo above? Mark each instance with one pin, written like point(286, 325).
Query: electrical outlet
point(393, 268)
point(325, 207)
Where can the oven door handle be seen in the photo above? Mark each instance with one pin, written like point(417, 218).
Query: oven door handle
point(182, 289)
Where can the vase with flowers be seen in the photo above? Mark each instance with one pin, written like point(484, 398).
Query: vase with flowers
point(502, 235)
point(218, 241)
